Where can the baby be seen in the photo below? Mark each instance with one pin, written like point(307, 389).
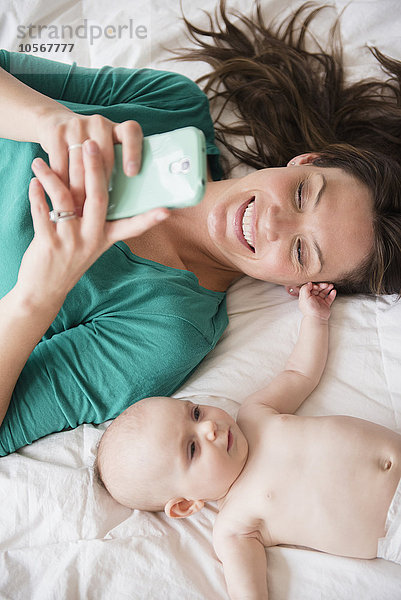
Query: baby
point(330, 483)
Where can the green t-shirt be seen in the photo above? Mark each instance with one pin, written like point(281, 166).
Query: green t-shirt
point(131, 327)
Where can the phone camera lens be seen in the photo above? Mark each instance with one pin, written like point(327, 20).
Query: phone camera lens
point(185, 165)
point(181, 166)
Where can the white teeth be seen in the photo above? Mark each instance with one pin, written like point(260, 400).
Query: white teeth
point(247, 221)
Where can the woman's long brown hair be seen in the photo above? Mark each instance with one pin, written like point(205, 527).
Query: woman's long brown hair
point(289, 99)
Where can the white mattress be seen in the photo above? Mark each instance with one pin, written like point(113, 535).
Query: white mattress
point(61, 536)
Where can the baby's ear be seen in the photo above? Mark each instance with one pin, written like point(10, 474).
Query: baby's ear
point(177, 508)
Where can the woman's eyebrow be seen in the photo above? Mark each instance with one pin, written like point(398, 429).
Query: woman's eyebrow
point(317, 200)
point(319, 255)
point(321, 190)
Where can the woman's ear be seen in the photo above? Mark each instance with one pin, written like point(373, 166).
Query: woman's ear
point(303, 159)
point(292, 290)
point(178, 508)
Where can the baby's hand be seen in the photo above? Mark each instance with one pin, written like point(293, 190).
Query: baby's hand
point(315, 299)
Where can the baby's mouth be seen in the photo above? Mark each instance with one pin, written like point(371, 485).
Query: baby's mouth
point(229, 440)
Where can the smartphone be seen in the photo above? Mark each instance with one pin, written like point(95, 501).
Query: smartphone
point(172, 174)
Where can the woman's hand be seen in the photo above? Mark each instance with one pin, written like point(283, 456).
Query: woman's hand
point(60, 129)
point(61, 252)
point(315, 299)
point(30, 116)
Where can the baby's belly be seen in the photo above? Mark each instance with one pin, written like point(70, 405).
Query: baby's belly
point(336, 492)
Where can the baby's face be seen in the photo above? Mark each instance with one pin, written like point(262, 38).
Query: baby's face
point(202, 447)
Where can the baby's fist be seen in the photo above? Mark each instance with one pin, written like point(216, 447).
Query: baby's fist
point(315, 299)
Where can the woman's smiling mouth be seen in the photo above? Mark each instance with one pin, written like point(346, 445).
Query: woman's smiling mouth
point(244, 224)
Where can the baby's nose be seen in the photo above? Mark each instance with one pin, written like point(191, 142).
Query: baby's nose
point(209, 428)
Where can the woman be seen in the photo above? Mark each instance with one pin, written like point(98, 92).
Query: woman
point(89, 324)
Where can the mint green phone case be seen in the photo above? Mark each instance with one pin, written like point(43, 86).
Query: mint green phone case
point(173, 174)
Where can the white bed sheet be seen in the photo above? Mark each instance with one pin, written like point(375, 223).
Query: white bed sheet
point(61, 536)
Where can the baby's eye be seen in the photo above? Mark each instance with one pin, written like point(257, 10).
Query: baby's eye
point(196, 413)
point(192, 450)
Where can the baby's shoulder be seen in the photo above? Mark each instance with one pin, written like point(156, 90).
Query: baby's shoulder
point(256, 418)
point(254, 411)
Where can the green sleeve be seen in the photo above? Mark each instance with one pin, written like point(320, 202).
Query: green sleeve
point(91, 373)
point(159, 100)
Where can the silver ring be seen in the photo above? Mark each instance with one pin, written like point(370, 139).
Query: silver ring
point(73, 146)
point(62, 215)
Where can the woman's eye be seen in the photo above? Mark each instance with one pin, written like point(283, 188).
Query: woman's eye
point(192, 450)
point(299, 195)
point(196, 413)
point(299, 252)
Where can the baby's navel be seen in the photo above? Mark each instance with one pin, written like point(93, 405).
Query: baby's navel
point(269, 495)
point(386, 464)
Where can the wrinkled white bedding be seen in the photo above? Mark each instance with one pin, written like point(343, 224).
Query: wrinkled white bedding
point(61, 536)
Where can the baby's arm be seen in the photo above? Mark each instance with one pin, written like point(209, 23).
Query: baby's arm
point(244, 562)
point(304, 368)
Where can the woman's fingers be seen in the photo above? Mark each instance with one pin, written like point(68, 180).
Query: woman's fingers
point(60, 197)
point(94, 232)
point(76, 176)
point(95, 208)
point(79, 130)
point(64, 146)
point(58, 159)
point(39, 209)
point(57, 191)
point(96, 188)
point(124, 229)
point(129, 134)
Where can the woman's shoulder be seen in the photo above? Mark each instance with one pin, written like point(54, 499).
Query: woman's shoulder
point(167, 86)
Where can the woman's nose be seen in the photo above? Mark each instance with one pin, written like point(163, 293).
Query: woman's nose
point(277, 223)
point(209, 429)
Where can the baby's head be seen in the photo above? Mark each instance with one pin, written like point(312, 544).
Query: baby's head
point(168, 454)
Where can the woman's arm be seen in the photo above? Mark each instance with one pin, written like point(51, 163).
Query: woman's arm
point(22, 324)
point(158, 100)
point(21, 108)
point(57, 257)
point(29, 115)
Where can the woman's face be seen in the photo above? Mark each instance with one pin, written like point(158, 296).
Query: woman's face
point(293, 224)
